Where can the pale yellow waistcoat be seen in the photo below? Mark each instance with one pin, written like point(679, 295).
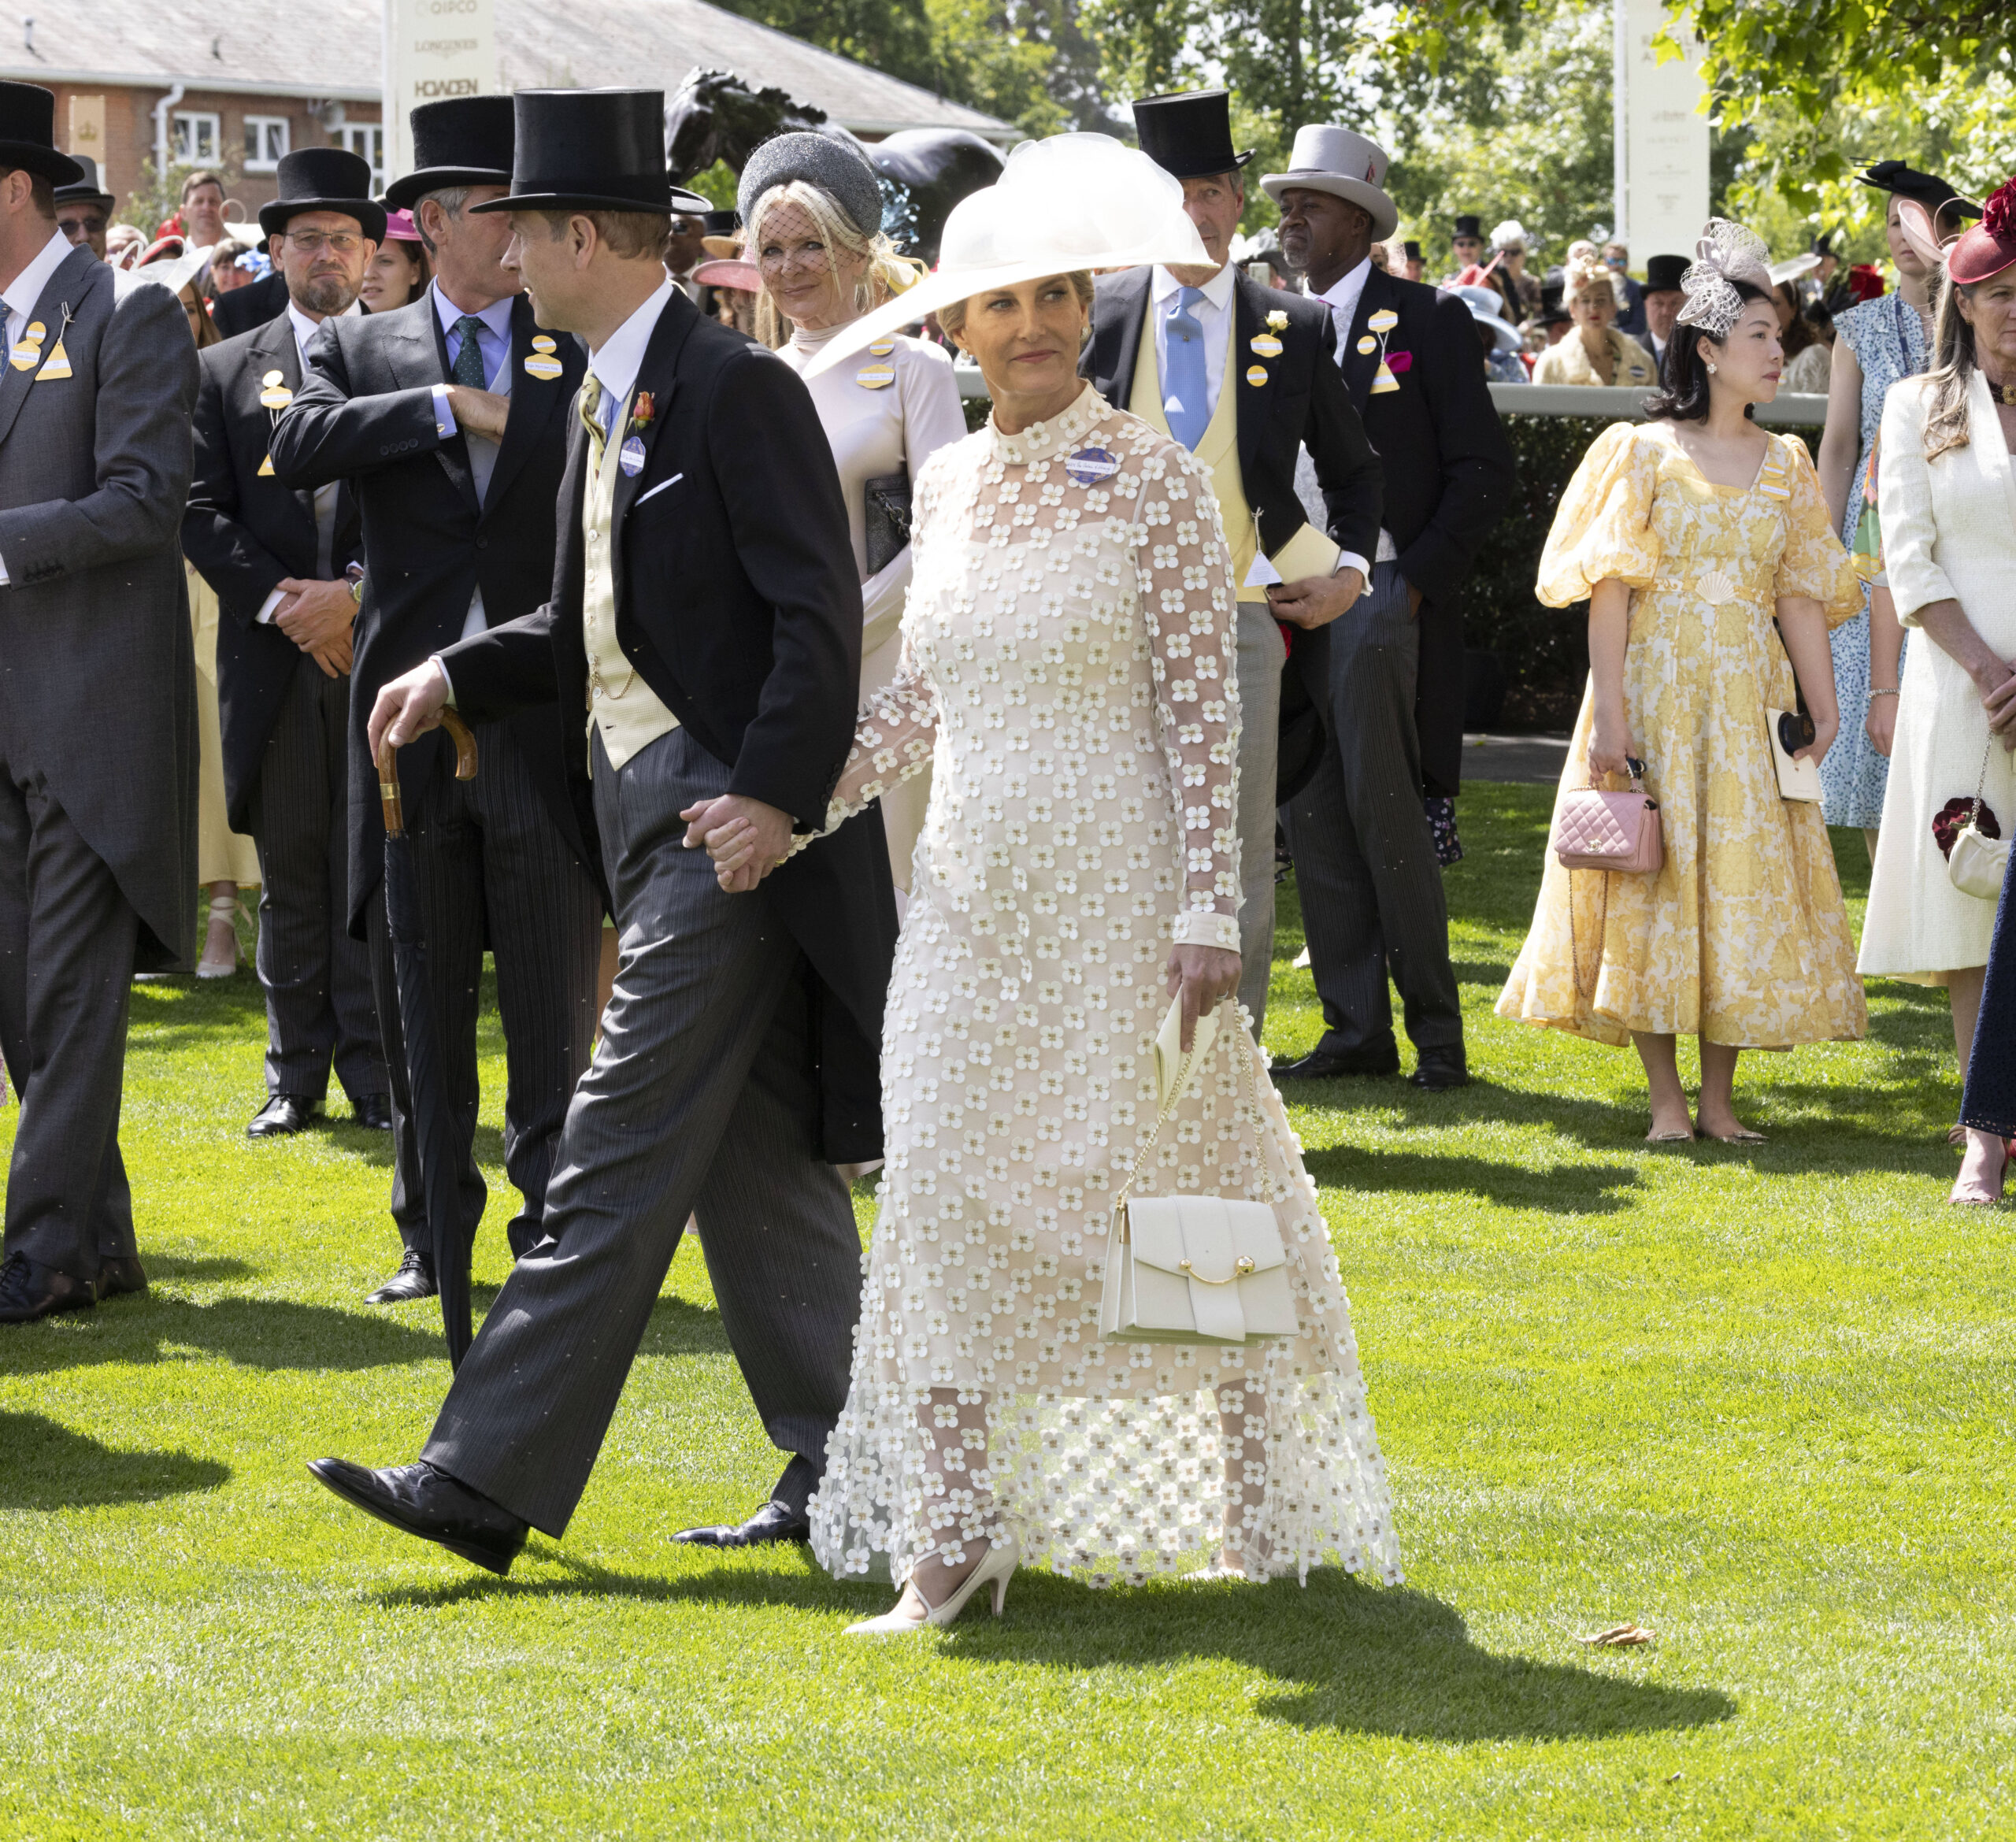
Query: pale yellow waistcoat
point(1304, 551)
point(620, 703)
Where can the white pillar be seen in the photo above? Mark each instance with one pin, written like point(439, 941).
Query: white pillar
point(1661, 146)
point(433, 49)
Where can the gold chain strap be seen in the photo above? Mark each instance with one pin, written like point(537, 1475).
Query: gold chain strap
point(1227, 1017)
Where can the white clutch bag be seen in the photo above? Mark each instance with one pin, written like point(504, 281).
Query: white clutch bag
point(1193, 1269)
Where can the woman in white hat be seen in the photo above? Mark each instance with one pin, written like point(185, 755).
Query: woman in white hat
point(1068, 667)
point(1597, 353)
point(813, 207)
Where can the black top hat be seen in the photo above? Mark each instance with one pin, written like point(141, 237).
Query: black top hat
point(1662, 273)
point(324, 179)
point(1189, 134)
point(1928, 188)
point(1469, 224)
point(28, 135)
point(465, 141)
point(87, 190)
point(592, 150)
point(721, 223)
point(1411, 250)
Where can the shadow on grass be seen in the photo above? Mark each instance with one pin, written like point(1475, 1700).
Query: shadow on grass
point(1349, 1657)
point(161, 1267)
point(253, 1333)
point(46, 1466)
point(1562, 1189)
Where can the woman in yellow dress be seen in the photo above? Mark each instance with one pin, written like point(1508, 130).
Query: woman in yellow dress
point(1687, 534)
point(1596, 352)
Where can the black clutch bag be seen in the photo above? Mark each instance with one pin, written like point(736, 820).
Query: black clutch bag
point(887, 506)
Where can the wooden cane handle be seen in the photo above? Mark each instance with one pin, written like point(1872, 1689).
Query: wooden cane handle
point(388, 769)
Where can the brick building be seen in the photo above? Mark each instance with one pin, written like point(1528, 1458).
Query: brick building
point(236, 84)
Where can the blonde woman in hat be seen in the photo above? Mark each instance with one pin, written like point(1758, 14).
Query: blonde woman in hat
point(1069, 665)
point(813, 209)
point(1597, 353)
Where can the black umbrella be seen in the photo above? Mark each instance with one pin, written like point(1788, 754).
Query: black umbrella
point(433, 1125)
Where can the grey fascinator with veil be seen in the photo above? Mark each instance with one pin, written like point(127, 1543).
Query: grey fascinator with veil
point(1727, 254)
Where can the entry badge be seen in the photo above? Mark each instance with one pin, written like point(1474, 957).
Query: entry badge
point(631, 459)
point(1089, 466)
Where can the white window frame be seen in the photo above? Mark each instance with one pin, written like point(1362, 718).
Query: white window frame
point(187, 130)
point(367, 138)
point(268, 140)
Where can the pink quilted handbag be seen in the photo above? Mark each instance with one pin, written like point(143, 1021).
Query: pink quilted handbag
point(1595, 830)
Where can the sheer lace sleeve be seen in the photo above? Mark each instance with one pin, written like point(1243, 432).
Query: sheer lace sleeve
point(1188, 604)
point(894, 739)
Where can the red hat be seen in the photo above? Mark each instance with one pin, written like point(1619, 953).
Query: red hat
point(1989, 247)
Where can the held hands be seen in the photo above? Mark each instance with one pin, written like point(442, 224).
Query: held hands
point(1315, 601)
point(1207, 977)
point(1609, 745)
point(479, 412)
point(408, 706)
point(746, 839)
point(317, 616)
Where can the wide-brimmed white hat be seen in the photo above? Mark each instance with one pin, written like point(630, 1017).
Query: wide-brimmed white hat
point(1327, 158)
point(175, 273)
point(1073, 202)
point(1483, 304)
point(1793, 268)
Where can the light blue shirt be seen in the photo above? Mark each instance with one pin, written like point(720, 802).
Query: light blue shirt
point(494, 339)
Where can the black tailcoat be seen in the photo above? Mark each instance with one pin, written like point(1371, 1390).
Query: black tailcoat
point(1302, 403)
point(737, 600)
point(241, 309)
point(365, 413)
point(1449, 477)
point(245, 531)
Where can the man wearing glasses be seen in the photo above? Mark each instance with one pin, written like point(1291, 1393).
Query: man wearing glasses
point(83, 211)
point(277, 559)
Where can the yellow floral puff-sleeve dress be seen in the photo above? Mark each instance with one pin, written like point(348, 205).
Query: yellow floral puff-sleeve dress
point(1742, 938)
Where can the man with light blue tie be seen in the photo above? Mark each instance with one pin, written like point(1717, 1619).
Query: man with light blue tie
point(450, 419)
point(1211, 327)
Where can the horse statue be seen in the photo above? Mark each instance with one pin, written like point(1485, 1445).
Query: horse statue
point(715, 115)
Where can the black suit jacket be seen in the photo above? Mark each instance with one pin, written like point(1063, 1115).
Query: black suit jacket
point(364, 413)
point(1302, 403)
point(252, 305)
point(1449, 477)
point(244, 533)
point(737, 600)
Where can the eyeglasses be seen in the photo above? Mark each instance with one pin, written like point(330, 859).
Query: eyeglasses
point(311, 243)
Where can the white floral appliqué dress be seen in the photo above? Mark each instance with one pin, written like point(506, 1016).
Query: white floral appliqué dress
point(1067, 669)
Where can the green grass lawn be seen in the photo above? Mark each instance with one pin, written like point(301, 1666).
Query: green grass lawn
point(1759, 1400)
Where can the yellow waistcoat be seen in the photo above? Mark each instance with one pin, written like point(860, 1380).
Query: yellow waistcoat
point(627, 711)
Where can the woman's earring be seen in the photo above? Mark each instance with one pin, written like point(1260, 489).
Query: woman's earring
point(1711, 371)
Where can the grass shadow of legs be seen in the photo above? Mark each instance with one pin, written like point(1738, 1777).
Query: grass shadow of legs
point(46, 1467)
point(1563, 1189)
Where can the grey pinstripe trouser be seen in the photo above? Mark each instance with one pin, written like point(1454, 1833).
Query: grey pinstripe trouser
point(702, 1099)
point(1365, 862)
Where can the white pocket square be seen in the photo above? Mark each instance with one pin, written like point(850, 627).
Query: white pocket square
point(660, 487)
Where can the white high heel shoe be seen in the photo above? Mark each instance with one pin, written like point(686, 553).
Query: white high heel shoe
point(1003, 1557)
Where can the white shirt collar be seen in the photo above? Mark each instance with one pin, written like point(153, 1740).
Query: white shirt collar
point(622, 355)
point(496, 317)
point(1216, 291)
point(1342, 294)
point(305, 329)
point(22, 293)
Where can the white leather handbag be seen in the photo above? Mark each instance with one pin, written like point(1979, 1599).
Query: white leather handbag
point(1194, 1269)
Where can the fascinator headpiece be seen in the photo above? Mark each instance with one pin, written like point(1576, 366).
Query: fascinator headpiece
point(1990, 247)
point(1726, 254)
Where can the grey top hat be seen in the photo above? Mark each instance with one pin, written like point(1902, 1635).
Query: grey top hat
point(1327, 158)
point(87, 190)
point(838, 168)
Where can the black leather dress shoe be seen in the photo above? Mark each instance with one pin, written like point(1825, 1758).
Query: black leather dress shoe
point(373, 1112)
point(1323, 1064)
point(775, 1522)
point(116, 1278)
point(29, 1292)
point(424, 1501)
point(1440, 1069)
point(282, 1115)
point(414, 1280)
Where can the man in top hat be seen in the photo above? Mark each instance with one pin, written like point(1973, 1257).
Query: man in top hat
point(98, 728)
point(706, 612)
point(1466, 244)
point(278, 559)
point(1243, 375)
point(1364, 856)
point(1630, 295)
point(84, 209)
point(448, 417)
point(1662, 300)
point(1411, 267)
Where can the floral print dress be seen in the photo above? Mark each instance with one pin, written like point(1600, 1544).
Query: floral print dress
point(1742, 938)
point(1068, 672)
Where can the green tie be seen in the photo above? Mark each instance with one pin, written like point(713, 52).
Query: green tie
point(589, 404)
point(469, 356)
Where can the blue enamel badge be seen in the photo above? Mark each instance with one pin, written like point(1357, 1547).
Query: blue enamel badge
point(1089, 466)
point(632, 459)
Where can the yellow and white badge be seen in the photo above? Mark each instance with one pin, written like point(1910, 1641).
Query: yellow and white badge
point(1382, 323)
point(882, 348)
point(1256, 375)
point(274, 393)
point(28, 353)
point(1265, 345)
point(875, 376)
point(1367, 345)
point(541, 362)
